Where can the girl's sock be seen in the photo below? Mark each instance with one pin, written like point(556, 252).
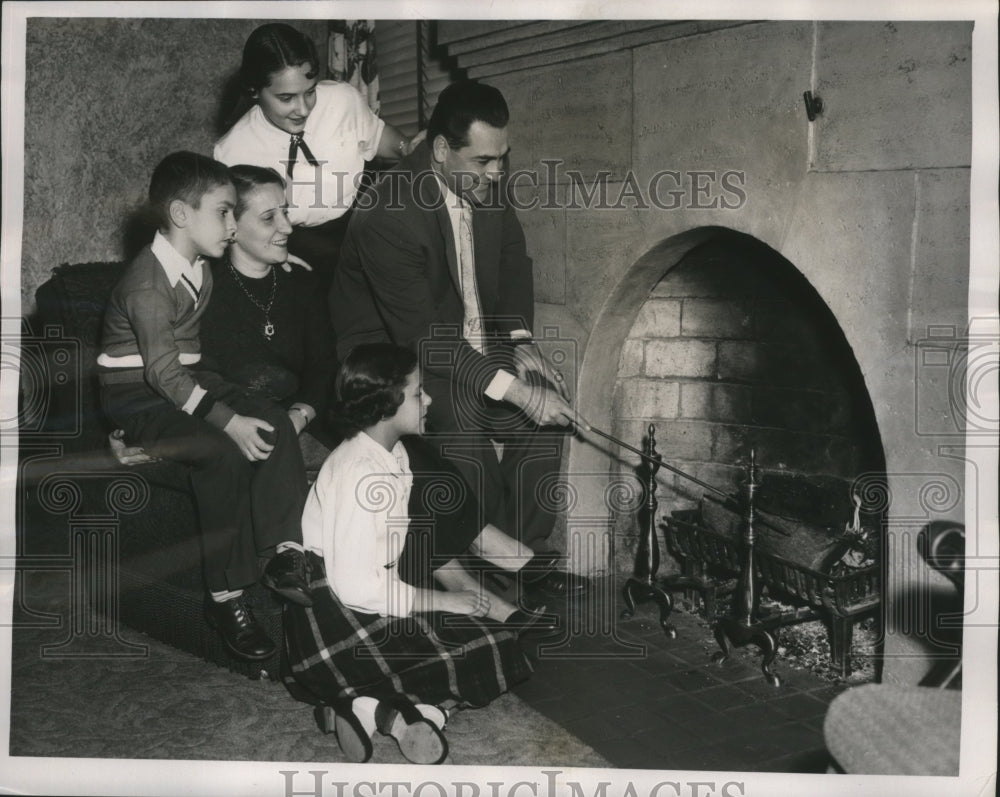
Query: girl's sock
point(435, 714)
point(364, 710)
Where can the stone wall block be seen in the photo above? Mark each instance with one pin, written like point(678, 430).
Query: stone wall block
point(729, 443)
point(564, 124)
point(716, 402)
point(906, 104)
point(690, 358)
point(725, 477)
point(685, 440)
point(658, 318)
point(709, 318)
point(647, 398)
point(631, 359)
point(739, 360)
point(800, 410)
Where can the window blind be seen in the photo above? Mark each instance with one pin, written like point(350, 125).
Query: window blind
point(411, 74)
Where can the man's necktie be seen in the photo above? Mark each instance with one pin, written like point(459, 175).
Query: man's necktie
point(472, 327)
point(297, 143)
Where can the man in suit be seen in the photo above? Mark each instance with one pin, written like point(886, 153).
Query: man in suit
point(435, 260)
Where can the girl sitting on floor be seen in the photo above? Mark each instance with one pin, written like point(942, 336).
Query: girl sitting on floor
point(380, 648)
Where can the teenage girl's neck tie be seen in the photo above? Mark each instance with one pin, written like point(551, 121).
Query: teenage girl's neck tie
point(294, 145)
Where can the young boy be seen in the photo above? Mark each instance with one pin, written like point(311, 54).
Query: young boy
point(246, 467)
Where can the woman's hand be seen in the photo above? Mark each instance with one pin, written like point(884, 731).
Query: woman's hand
point(413, 143)
point(127, 455)
point(246, 433)
point(393, 145)
point(295, 261)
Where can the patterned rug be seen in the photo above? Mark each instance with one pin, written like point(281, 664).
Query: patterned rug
point(171, 705)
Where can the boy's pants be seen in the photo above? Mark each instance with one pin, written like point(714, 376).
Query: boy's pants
point(244, 507)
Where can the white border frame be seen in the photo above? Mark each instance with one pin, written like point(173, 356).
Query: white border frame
point(145, 777)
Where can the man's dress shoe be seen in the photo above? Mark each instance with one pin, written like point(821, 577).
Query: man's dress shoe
point(241, 632)
point(521, 621)
point(286, 575)
point(559, 584)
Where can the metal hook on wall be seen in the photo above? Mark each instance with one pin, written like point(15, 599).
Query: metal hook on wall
point(814, 105)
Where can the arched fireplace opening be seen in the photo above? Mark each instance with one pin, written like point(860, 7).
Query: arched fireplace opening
point(733, 349)
point(724, 346)
point(771, 309)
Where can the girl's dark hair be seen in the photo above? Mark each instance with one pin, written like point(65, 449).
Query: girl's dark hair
point(370, 384)
point(247, 179)
point(272, 48)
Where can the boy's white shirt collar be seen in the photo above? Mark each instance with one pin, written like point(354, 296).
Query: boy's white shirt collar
point(175, 265)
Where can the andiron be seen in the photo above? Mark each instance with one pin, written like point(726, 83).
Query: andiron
point(742, 626)
point(643, 586)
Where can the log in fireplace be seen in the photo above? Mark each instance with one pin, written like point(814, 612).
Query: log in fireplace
point(734, 544)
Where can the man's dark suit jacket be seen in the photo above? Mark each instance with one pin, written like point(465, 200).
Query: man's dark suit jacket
point(397, 280)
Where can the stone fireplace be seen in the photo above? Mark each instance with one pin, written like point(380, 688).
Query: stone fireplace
point(625, 135)
point(733, 350)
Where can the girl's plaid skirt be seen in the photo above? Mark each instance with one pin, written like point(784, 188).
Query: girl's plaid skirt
point(333, 653)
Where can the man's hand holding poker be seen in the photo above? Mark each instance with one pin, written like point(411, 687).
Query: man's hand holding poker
point(540, 390)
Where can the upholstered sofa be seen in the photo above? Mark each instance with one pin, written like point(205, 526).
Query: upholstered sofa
point(128, 534)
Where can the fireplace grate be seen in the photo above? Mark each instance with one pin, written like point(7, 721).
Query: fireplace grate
point(838, 578)
point(837, 598)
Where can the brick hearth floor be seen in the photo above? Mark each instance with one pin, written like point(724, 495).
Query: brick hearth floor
point(645, 701)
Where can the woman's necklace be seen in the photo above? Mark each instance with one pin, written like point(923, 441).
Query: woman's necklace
point(266, 310)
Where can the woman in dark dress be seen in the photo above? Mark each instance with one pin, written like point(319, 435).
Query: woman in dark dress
point(268, 330)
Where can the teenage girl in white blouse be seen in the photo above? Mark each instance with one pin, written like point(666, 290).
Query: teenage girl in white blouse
point(317, 133)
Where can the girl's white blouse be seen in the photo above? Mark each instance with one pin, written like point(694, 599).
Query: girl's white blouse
point(356, 518)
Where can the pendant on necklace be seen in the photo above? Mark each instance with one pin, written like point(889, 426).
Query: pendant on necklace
point(268, 330)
